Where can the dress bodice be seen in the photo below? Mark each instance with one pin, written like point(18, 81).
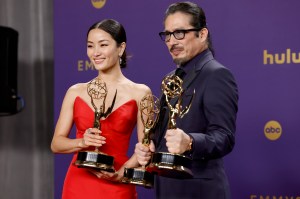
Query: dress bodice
point(116, 128)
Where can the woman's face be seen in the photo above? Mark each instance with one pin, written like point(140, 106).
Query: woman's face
point(102, 50)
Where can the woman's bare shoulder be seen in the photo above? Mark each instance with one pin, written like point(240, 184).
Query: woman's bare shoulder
point(139, 90)
point(75, 90)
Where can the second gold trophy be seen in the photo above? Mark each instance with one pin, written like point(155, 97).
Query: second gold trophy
point(149, 108)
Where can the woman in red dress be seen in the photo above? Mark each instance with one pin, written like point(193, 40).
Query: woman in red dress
point(106, 44)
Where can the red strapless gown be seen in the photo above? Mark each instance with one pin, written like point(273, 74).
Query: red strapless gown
point(117, 128)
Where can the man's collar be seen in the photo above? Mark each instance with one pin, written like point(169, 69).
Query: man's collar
point(187, 67)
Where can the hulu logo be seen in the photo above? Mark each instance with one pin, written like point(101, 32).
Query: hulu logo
point(281, 58)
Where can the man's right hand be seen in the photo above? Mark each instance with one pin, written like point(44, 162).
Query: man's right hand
point(143, 152)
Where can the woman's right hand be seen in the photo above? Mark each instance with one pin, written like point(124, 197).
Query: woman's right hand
point(92, 137)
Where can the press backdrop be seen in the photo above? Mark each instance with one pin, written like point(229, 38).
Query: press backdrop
point(257, 40)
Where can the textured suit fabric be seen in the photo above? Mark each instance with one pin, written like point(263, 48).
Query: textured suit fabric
point(211, 123)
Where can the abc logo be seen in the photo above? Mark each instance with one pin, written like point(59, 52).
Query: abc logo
point(98, 3)
point(273, 130)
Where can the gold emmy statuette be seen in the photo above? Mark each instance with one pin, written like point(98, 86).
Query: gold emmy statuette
point(95, 159)
point(149, 108)
point(164, 163)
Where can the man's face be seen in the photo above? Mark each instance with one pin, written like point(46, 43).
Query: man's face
point(191, 45)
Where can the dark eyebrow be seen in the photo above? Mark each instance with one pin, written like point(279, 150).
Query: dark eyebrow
point(99, 41)
point(177, 29)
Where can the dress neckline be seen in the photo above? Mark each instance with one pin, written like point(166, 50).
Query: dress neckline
point(127, 102)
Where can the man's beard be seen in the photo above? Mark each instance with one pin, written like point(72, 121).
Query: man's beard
point(179, 61)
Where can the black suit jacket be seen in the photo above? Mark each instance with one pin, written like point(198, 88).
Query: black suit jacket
point(211, 122)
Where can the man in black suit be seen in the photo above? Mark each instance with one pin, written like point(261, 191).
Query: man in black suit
point(207, 132)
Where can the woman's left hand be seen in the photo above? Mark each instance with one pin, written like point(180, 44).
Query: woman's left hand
point(114, 177)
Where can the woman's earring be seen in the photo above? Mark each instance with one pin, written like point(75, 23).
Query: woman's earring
point(120, 60)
